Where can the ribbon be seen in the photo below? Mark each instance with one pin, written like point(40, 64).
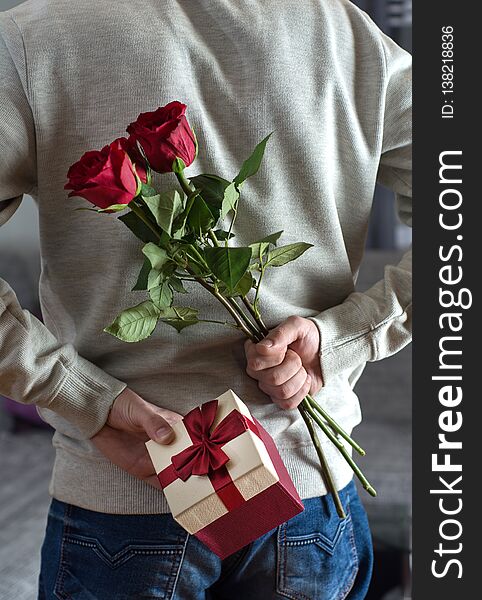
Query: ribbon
point(205, 456)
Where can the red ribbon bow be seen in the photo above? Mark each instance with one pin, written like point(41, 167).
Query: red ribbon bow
point(206, 455)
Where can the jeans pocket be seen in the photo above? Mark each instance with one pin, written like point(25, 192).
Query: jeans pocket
point(105, 566)
point(317, 556)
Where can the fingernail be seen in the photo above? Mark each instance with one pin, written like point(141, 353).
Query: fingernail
point(267, 343)
point(164, 435)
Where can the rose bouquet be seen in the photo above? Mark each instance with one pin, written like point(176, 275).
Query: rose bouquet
point(184, 242)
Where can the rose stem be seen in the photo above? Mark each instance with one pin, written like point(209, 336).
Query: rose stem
point(366, 484)
point(138, 211)
point(226, 304)
point(334, 425)
point(325, 470)
point(233, 301)
point(256, 317)
point(186, 185)
point(235, 310)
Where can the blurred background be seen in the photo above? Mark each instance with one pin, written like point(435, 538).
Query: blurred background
point(384, 391)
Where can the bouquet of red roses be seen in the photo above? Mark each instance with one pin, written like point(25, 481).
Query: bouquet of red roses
point(183, 242)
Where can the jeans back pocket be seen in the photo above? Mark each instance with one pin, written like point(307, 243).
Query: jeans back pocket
point(317, 556)
point(102, 563)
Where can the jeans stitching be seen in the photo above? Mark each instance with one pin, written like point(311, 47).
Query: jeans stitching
point(286, 593)
point(124, 555)
point(175, 566)
point(350, 584)
point(319, 539)
point(181, 560)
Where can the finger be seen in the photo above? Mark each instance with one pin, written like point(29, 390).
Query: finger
point(258, 362)
point(294, 401)
point(157, 423)
point(281, 373)
point(282, 336)
point(286, 390)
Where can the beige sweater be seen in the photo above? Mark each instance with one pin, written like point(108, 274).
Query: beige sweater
point(335, 90)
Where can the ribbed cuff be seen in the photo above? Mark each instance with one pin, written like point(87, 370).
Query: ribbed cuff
point(86, 396)
point(346, 339)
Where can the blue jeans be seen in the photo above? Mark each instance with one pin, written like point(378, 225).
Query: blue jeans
point(89, 555)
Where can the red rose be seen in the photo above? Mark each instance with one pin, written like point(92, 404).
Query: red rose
point(104, 177)
point(165, 135)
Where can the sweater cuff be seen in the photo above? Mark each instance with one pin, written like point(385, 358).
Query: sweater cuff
point(346, 340)
point(85, 396)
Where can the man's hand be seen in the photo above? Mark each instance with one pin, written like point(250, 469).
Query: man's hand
point(286, 363)
point(132, 421)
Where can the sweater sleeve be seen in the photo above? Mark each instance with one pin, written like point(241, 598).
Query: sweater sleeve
point(375, 324)
point(35, 368)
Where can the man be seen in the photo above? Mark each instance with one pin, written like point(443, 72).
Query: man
point(336, 91)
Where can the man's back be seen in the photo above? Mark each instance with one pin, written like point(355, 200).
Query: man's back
point(336, 93)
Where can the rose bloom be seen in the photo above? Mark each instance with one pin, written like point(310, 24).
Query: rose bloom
point(164, 135)
point(104, 177)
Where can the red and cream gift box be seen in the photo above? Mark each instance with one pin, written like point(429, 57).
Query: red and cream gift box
point(223, 477)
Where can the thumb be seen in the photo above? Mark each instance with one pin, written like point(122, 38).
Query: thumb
point(279, 338)
point(157, 423)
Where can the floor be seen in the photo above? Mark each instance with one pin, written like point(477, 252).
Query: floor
point(25, 465)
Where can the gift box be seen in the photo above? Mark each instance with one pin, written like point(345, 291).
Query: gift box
point(223, 477)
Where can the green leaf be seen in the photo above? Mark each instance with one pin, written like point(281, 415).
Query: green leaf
point(165, 207)
point(263, 245)
point(272, 238)
point(200, 217)
point(259, 249)
point(161, 295)
point(223, 235)
point(228, 264)
point(136, 323)
point(251, 165)
point(154, 279)
point(157, 256)
point(230, 198)
point(158, 276)
point(141, 283)
point(113, 208)
point(285, 254)
point(179, 316)
point(242, 288)
point(177, 285)
point(212, 190)
point(138, 227)
point(180, 222)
